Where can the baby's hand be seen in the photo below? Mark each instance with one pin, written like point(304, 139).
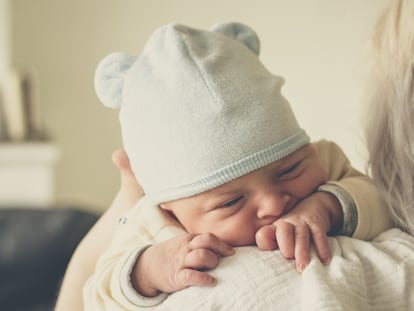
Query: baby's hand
point(309, 221)
point(178, 263)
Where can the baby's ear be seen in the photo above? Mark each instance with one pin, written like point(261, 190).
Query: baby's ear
point(110, 77)
point(240, 32)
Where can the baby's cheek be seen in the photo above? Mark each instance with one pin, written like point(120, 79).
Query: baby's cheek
point(319, 176)
point(324, 177)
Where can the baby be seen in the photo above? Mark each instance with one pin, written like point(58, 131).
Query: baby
point(223, 163)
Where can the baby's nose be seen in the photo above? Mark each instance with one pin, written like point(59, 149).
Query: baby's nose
point(272, 204)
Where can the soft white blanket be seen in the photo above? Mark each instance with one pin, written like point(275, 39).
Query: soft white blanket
point(377, 275)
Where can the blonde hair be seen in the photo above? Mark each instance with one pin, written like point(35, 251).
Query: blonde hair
point(390, 126)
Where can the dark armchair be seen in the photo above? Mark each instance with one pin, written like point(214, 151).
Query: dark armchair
point(35, 248)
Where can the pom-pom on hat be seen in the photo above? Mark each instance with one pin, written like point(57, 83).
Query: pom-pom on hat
point(197, 109)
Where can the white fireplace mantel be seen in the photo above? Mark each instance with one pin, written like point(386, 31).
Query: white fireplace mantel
point(27, 174)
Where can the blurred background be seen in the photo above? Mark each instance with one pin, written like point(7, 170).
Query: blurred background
point(56, 139)
point(319, 46)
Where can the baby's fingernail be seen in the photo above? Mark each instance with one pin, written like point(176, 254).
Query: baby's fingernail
point(326, 261)
point(300, 267)
point(228, 250)
point(213, 282)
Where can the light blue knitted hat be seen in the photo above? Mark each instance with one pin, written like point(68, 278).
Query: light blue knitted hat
point(197, 109)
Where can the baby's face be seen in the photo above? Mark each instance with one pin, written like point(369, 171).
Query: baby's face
point(237, 209)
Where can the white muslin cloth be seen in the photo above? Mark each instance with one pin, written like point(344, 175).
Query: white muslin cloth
point(377, 275)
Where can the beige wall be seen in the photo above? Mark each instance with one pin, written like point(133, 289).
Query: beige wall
point(4, 37)
point(318, 45)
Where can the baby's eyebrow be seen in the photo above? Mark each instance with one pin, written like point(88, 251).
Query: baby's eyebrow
point(226, 193)
point(222, 195)
point(282, 163)
point(287, 162)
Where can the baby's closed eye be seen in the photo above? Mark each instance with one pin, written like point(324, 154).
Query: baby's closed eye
point(232, 201)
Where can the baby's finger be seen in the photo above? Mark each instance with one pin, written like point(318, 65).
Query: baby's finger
point(211, 242)
point(266, 238)
point(201, 259)
point(285, 239)
point(189, 277)
point(320, 241)
point(302, 246)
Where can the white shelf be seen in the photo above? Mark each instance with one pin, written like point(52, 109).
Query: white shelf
point(27, 174)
